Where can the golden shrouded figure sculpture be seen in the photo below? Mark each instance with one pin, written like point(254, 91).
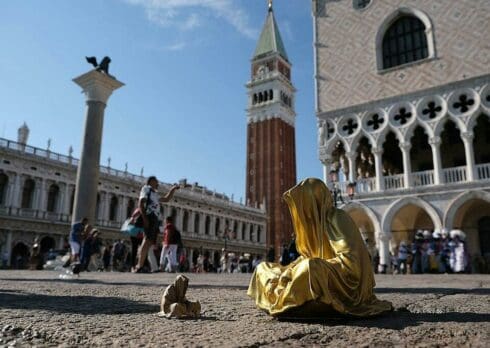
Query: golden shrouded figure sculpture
point(332, 275)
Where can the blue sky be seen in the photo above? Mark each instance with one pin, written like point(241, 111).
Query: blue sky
point(184, 63)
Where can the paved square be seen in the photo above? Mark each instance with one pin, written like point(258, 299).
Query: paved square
point(120, 309)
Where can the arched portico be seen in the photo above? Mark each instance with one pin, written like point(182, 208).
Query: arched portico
point(394, 208)
point(365, 219)
point(470, 212)
point(459, 201)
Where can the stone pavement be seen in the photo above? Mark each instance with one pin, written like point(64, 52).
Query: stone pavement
point(119, 309)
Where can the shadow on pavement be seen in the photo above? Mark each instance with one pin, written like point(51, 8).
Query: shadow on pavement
point(73, 304)
point(445, 291)
point(136, 283)
point(398, 320)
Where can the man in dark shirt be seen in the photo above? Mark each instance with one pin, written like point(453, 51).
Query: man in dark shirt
point(76, 238)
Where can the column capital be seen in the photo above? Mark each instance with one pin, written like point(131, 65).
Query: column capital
point(377, 151)
point(351, 155)
point(405, 146)
point(436, 140)
point(97, 86)
point(469, 136)
point(326, 159)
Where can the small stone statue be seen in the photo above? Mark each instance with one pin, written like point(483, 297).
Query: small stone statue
point(103, 66)
point(174, 303)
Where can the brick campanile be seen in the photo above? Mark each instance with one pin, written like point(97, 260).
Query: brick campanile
point(271, 148)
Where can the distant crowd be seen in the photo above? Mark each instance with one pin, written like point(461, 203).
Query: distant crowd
point(436, 252)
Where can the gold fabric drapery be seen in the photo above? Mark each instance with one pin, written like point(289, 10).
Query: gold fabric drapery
point(333, 273)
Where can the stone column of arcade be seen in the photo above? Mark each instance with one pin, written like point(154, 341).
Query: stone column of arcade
point(97, 87)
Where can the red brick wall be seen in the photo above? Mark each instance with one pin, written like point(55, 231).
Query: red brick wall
point(271, 170)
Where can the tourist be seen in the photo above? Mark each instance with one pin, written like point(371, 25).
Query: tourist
point(149, 204)
point(284, 260)
point(106, 257)
point(76, 239)
point(417, 251)
point(255, 262)
point(402, 258)
point(293, 253)
point(459, 256)
point(119, 253)
point(170, 245)
point(224, 261)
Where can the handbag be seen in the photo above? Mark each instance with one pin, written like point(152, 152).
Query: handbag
point(130, 228)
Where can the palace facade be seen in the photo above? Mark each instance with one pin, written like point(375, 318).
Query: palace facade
point(36, 201)
point(403, 108)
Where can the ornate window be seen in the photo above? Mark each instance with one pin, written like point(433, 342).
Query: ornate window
point(360, 4)
point(217, 227)
point(28, 193)
point(53, 195)
point(196, 223)
point(130, 208)
point(4, 180)
point(113, 209)
point(207, 224)
point(185, 221)
point(404, 42)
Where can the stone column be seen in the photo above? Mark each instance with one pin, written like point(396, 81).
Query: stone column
point(191, 258)
point(435, 143)
point(180, 219)
point(202, 223)
point(378, 167)
point(97, 87)
point(10, 191)
point(247, 231)
point(470, 158)
point(327, 164)
point(351, 157)
point(384, 252)
point(16, 194)
point(407, 165)
point(8, 246)
point(66, 200)
point(192, 217)
point(42, 201)
point(123, 207)
point(107, 206)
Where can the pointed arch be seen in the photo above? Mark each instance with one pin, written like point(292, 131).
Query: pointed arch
point(400, 203)
point(459, 201)
point(418, 123)
point(351, 206)
point(382, 135)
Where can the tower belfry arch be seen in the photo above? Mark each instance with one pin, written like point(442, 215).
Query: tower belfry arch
point(271, 157)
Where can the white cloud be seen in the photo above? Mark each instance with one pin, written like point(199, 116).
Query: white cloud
point(177, 13)
point(176, 46)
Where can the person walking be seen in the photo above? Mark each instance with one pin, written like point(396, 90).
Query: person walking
point(170, 245)
point(149, 203)
point(76, 232)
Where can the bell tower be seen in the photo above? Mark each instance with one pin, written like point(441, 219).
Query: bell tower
point(271, 157)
